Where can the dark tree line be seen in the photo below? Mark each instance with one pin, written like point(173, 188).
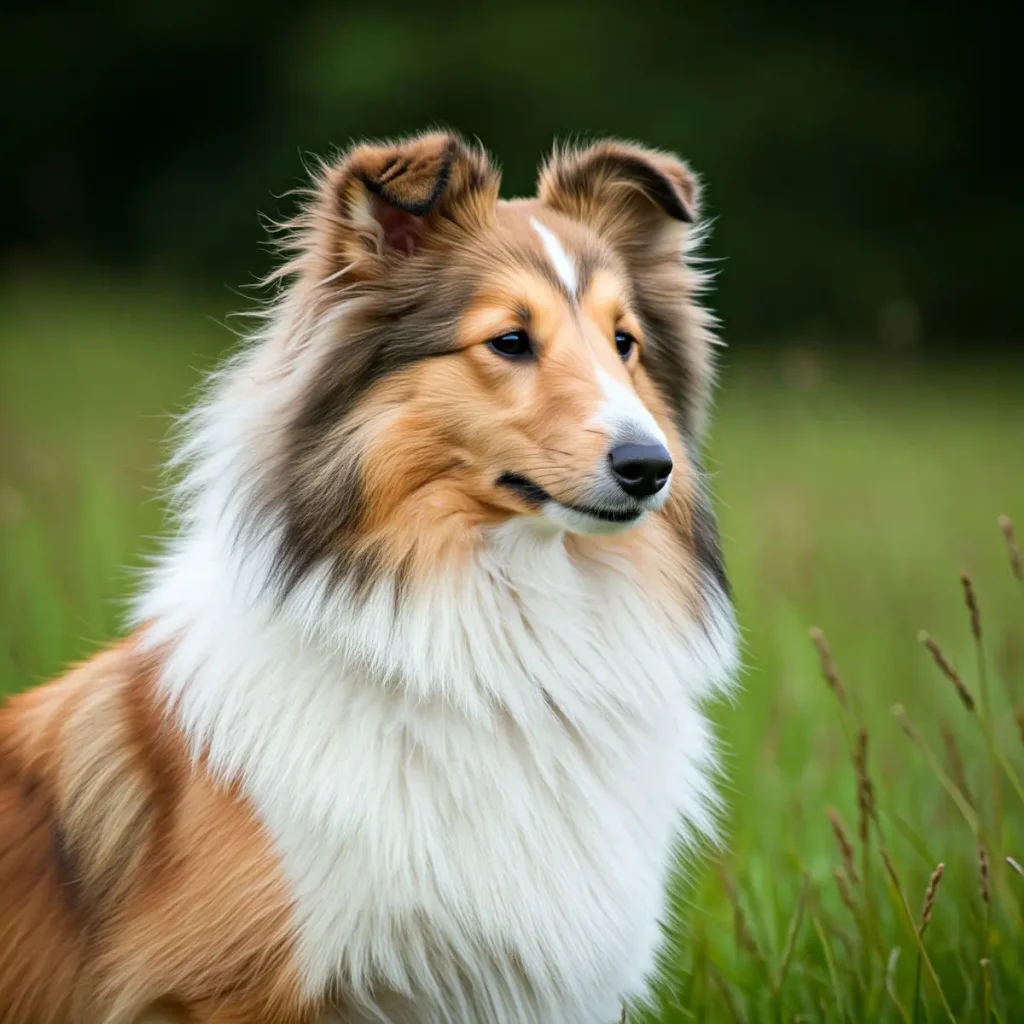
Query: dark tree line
point(859, 158)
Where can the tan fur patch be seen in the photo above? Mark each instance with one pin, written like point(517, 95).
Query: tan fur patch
point(134, 886)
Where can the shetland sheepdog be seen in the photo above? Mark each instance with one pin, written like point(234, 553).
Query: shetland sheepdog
point(410, 725)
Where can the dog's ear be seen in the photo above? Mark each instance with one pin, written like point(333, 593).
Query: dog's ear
point(382, 202)
point(631, 195)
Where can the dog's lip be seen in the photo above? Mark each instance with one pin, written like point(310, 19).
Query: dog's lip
point(534, 494)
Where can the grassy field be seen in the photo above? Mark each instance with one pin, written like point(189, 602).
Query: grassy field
point(851, 497)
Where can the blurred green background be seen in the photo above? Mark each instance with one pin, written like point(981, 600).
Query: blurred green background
point(862, 167)
point(855, 155)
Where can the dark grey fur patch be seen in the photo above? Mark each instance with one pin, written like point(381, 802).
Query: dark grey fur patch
point(706, 543)
point(410, 319)
point(653, 183)
point(666, 365)
point(379, 185)
point(39, 818)
point(582, 178)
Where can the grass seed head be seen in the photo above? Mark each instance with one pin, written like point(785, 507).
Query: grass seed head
point(843, 885)
point(971, 600)
point(983, 886)
point(929, 897)
point(828, 666)
point(946, 666)
point(843, 842)
point(865, 788)
point(860, 751)
point(1013, 549)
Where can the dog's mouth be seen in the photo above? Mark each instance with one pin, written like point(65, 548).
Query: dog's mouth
point(533, 494)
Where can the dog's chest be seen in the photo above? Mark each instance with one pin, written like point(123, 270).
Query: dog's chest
point(487, 839)
point(497, 876)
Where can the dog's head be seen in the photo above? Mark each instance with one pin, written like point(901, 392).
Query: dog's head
point(466, 361)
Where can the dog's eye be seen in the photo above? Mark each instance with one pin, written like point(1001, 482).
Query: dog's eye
point(513, 345)
point(624, 343)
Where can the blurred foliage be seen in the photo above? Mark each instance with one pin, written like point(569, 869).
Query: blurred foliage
point(860, 161)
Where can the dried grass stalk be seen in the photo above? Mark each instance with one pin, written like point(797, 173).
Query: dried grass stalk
point(843, 885)
point(971, 600)
point(828, 666)
point(929, 897)
point(744, 936)
point(843, 842)
point(865, 788)
point(946, 666)
point(1013, 549)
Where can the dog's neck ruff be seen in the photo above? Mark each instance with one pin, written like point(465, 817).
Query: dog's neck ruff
point(525, 634)
point(492, 771)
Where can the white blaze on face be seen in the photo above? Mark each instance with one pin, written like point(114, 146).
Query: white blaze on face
point(623, 415)
point(560, 259)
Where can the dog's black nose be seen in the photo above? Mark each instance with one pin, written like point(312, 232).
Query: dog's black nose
point(641, 469)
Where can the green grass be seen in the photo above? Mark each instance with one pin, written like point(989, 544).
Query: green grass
point(851, 497)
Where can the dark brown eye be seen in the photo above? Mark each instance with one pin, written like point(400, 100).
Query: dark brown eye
point(513, 345)
point(624, 343)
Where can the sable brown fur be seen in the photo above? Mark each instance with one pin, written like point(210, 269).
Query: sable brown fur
point(135, 885)
point(128, 878)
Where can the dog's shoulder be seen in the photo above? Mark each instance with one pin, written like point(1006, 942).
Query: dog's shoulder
point(129, 875)
point(89, 743)
point(42, 933)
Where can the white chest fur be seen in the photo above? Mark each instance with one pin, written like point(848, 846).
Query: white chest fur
point(475, 799)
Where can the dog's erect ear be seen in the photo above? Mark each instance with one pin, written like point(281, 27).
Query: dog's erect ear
point(381, 202)
point(620, 189)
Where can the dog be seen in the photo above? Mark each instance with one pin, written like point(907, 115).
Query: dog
point(410, 724)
